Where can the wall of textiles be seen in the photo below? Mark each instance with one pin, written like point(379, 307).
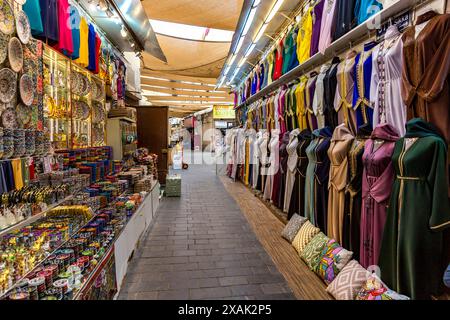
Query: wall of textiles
point(359, 147)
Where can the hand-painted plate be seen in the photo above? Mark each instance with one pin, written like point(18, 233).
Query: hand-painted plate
point(26, 88)
point(8, 85)
point(6, 18)
point(3, 47)
point(23, 113)
point(9, 120)
point(15, 54)
point(23, 27)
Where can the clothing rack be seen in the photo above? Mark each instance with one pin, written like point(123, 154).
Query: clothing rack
point(360, 33)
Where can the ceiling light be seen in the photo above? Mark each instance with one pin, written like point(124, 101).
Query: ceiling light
point(234, 74)
point(123, 32)
point(249, 21)
point(233, 57)
point(274, 10)
point(239, 45)
point(132, 44)
point(256, 3)
point(250, 49)
point(241, 63)
point(261, 32)
point(221, 82)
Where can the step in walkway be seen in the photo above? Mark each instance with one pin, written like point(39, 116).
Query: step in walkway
point(202, 247)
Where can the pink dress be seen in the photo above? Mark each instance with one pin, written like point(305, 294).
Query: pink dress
point(378, 176)
point(328, 24)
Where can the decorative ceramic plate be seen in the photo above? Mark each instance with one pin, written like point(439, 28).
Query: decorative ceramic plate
point(23, 27)
point(8, 85)
point(3, 47)
point(86, 86)
point(15, 53)
point(6, 17)
point(9, 120)
point(23, 113)
point(99, 91)
point(98, 113)
point(26, 89)
point(94, 92)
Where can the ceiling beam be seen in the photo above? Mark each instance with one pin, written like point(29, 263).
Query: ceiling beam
point(188, 92)
point(181, 104)
point(178, 85)
point(172, 98)
point(159, 74)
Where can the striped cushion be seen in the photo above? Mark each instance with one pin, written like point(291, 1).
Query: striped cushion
point(304, 236)
point(313, 250)
point(349, 281)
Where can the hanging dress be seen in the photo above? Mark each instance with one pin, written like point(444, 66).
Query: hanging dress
point(345, 20)
point(297, 201)
point(283, 169)
point(264, 159)
point(304, 36)
point(316, 186)
point(270, 65)
point(361, 91)
point(256, 159)
point(330, 84)
point(309, 97)
point(413, 248)
point(300, 97)
point(353, 192)
point(378, 176)
point(318, 104)
point(338, 154)
point(273, 163)
point(387, 81)
point(328, 25)
point(344, 92)
point(278, 66)
point(291, 167)
point(316, 25)
point(364, 9)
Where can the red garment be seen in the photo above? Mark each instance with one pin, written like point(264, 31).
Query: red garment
point(278, 71)
point(98, 44)
point(65, 43)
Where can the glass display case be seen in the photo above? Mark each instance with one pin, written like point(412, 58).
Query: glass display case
point(57, 99)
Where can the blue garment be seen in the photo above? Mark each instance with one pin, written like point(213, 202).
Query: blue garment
point(32, 9)
point(3, 186)
point(262, 77)
point(75, 19)
point(91, 44)
point(364, 9)
point(294, 60)
point(364, 113)
point(9, 176)
point(254, 83)
point(49, 16)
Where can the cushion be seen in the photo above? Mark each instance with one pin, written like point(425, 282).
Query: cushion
point(349, 281)
point(313, 250)
point(292, 228)
point(305, 235)
point(332, 260)
point(375, 289)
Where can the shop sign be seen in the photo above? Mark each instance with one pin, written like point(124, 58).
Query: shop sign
point(223, 112)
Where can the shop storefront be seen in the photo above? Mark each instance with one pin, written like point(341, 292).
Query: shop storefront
point(77, 193)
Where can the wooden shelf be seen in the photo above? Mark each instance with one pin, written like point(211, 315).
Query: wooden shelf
point(359, 33)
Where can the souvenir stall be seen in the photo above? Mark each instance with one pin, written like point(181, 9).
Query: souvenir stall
point(346, 130)
point(71, 213)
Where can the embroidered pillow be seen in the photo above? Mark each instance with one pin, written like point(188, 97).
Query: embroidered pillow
point(332, 260)
point(349, 281)
point(375, 289)
point(313, 250)
point(306, 233)
point(292, 228)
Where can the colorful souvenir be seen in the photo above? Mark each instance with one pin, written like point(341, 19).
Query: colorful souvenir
point(23, 27)
point(15, 54)
point(8, 87)
point(26, 89)
point(6, 17)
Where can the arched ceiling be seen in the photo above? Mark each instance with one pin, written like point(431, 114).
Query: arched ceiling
point(186, 81)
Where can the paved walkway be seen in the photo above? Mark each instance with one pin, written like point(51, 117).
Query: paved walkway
point(202, 247)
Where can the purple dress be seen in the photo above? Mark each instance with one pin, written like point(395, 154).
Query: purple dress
point(317, 22)
point(377, 180)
